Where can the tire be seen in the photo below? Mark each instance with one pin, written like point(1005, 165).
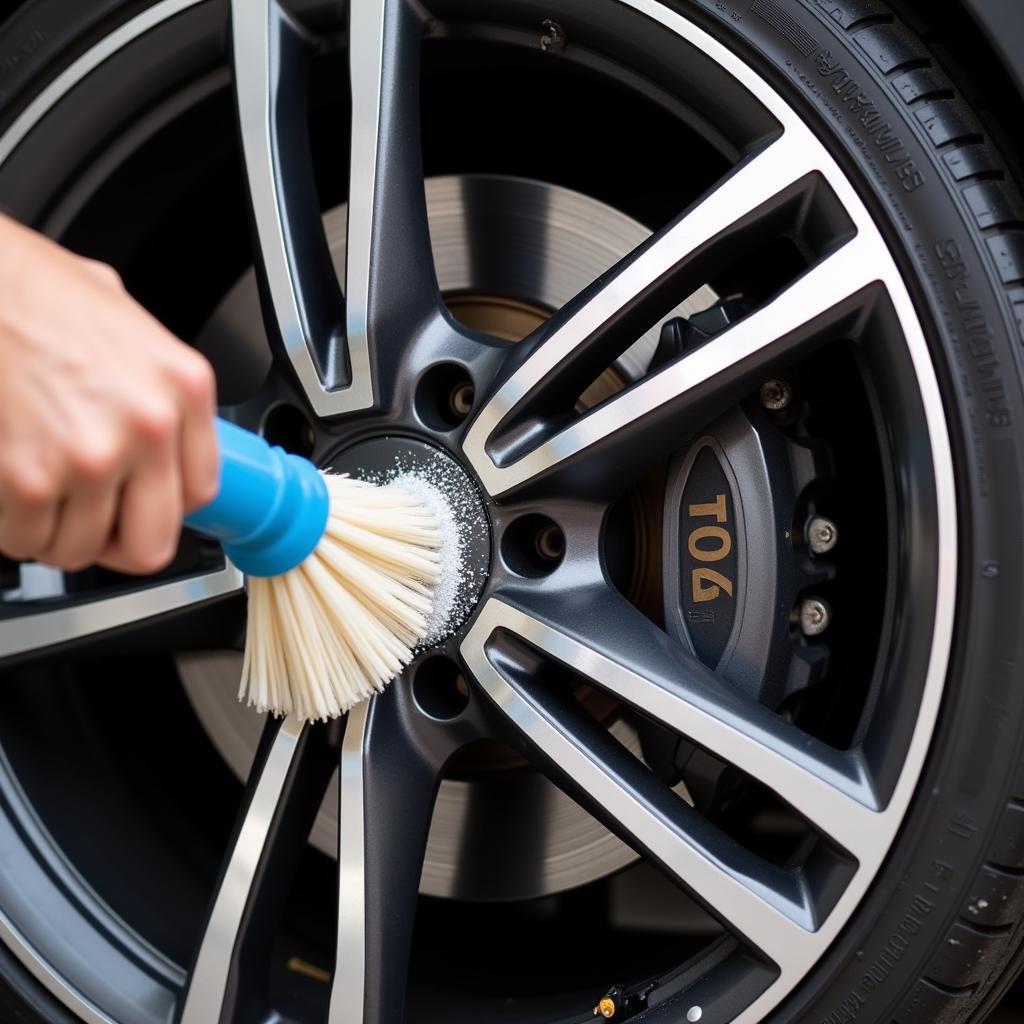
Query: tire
point(938, 935)
point(941, 939)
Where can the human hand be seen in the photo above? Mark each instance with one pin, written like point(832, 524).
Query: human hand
point(106, 419)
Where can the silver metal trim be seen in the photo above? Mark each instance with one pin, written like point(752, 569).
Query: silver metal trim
point(366, 68)
point(348, 985)
point(46, 628)
point(752, 185)
point(251, 41)
point(827, 800)
point(209, 979)
point(782, 932)
point(47, 977)
point(823, 287)
point(88, 62)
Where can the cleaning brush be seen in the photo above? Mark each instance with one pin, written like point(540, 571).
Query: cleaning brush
point(341, 574)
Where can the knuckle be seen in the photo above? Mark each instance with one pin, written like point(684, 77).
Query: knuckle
point(196, 380)
point(69, 563)
point(156, 421)
point(151, 550)
point(96, 460)
point(105, 274)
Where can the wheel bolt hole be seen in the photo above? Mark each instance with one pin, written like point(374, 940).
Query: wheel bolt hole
point(288, 428)
point(533, 545)
point(439, 688)
point(445, 396)
point(550, 544)
point(460, 399)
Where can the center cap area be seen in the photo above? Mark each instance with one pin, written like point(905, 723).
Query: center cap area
point(445, 487)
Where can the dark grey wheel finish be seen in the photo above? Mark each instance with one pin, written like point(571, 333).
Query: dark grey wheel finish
point(562, 643)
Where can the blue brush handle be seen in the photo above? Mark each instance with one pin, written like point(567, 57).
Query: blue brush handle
point(272, 507)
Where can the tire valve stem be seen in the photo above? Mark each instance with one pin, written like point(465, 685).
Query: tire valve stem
point(620, 1003)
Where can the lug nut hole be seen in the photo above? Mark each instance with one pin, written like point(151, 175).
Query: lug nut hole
point(533, 545)
point(445, 396)
point(439, 688)
point(460, 399)
point(287, 427)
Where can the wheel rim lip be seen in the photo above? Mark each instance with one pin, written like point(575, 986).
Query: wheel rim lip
point(946, 493)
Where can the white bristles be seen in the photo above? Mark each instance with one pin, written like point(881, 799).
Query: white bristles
point(335, 630)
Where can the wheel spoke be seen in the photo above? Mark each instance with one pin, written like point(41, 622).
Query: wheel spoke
point(303, 306)
point(390, 770)
point(285, 788)
point(615, 647)
point(390, 286)
point(516, 439)
point(620, 651)
point(88, 619)
point(390, 281)
point(767, 905)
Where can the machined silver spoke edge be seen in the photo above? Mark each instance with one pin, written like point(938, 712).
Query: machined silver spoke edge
point(348, 983)
point(255, 64)
point(22, 634)
point(835, 805)
point(209, 978)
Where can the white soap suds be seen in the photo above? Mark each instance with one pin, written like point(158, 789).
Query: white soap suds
point(446, 590)
point(443, 487)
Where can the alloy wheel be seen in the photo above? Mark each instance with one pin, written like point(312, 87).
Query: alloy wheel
point(364, 360)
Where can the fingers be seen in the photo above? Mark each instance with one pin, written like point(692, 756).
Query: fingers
point(200, 460)
point(87, 501)
point(28, 510)
point(150, 512)
point(84, 526)
point(189, 379)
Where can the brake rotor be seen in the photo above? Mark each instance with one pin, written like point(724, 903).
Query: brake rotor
point(545, 244)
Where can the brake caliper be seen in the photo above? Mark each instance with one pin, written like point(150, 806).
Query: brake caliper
point(738, 569)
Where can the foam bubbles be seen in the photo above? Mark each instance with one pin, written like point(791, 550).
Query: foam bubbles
point(444, 488)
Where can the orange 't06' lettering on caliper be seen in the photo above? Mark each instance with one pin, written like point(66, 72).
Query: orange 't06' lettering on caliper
point(707, 584)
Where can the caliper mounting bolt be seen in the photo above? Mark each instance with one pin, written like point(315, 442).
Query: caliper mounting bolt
point(815, 615)
point(776, 394)
point(821, 535)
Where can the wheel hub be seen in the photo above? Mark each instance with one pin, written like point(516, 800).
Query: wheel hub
point(383, 459)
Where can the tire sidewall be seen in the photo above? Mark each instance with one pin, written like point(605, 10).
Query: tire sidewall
point(874, 971)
